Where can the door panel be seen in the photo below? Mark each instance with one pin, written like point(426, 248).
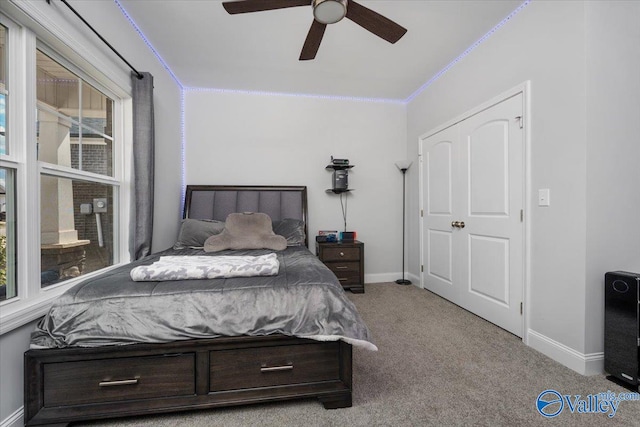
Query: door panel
point(488, 148)
point(440, 255)
point(489, 268)
point(439, 191)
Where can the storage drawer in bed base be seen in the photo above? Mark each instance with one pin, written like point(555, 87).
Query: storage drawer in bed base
point(46, 403)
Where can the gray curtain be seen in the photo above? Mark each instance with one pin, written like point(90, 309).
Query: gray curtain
point(141, 226)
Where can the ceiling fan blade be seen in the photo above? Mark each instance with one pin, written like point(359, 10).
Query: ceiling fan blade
point(312, 43)
point(374, 22)
point(246, 6)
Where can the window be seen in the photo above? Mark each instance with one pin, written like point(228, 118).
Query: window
point(62, 170)
point(74, 136)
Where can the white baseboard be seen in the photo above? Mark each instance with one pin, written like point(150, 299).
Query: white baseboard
point(584, 364)
point(594, 363)
point(14, 420)
point(390, 277)
point(382, 277)
point(414, 279)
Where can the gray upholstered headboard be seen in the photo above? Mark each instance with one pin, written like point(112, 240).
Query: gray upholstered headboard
point(218, 201)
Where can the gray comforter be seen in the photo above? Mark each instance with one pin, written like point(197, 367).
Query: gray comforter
point(304, 300)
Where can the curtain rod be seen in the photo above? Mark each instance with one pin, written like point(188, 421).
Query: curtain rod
point(138, 74)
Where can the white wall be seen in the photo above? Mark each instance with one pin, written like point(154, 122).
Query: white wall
point(239, 138)
point(613, 151)
point(109, 21)
point(12, 346)
point(557, 46)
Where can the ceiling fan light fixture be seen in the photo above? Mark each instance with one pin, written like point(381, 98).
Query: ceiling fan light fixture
point(329, 11)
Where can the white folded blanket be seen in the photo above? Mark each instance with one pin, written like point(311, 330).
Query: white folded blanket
point(206, 267)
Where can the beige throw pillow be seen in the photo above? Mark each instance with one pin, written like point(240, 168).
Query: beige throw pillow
point(248, 230)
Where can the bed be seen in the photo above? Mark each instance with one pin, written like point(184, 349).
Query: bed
point(181, 345)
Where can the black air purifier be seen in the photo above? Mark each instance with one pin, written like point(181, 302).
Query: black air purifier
point(622, 327)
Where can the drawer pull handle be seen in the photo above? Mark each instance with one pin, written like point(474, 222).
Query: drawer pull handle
point(121, 382)
point(276, 368)
point(342, 279)
point(342, 267)
point(341, 253)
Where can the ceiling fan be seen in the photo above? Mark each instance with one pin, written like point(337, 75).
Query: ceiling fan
point(325, 12)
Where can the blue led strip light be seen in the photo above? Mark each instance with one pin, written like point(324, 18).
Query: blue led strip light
point(148, 43)
point(183, 145)
point(184, 89)
point(182, 102)
point(466, 52)
point(342, 98)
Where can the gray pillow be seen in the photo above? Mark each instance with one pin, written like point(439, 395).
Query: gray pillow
point(246, 231)
point(194, 232)
point(291, 229)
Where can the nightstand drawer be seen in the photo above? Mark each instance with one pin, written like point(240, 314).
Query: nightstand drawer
point(341, 254)
point(349, 279)
point(342, 269)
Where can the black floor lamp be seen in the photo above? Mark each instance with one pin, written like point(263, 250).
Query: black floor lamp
point(403, 165)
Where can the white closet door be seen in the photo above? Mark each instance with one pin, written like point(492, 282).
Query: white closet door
point(473, 195)
point(441, 190)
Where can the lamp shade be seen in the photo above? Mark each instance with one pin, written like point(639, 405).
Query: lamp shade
point(404, 164)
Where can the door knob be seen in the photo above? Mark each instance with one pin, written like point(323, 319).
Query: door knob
point(455, 224)
point(461, 224)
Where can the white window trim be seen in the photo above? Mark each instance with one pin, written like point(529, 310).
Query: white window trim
point(32, 301)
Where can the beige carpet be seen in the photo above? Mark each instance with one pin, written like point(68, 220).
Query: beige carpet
point(438, 365)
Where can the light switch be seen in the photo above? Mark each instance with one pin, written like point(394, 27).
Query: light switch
point(544, 197)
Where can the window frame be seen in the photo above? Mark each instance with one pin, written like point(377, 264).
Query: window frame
point(8, 161)
point(32, 301)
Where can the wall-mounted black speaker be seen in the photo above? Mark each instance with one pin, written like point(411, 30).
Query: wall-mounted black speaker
point(622, 326)
point(340, 179)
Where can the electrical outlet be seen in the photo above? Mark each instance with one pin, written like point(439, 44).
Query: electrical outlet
point(86, 208)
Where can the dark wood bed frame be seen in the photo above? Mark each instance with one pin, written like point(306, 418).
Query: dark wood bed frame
point(75, 384)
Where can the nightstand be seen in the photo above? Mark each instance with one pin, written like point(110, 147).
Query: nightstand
point(346, 260)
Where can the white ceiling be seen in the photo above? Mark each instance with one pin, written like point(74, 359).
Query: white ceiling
point(207, 48)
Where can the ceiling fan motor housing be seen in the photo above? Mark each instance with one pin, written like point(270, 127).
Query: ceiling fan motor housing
point(329, 11)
